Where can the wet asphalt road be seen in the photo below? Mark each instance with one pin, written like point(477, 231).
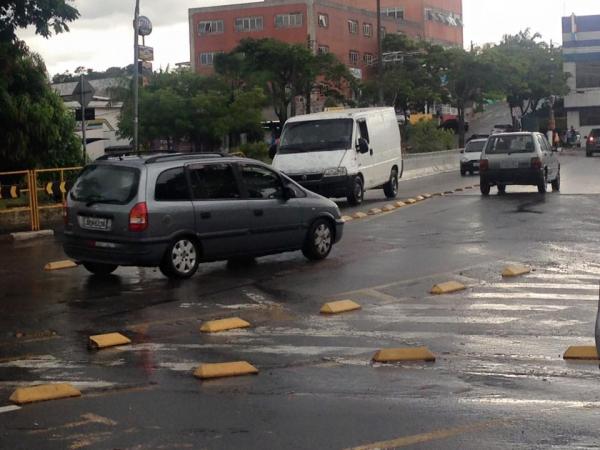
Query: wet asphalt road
point(499, 380)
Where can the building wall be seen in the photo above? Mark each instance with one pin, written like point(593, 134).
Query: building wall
point(581, 46)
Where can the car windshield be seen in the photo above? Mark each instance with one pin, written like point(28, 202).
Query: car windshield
point(106, 184)
point(473, 147)
point(520, 143)
point(316, 135)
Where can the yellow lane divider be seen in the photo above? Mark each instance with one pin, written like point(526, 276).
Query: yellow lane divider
point(214, 326)
point(43, 392)
point(220, 370)
point(340, 306)
point(100, 341)
point(447, 288)
point(582, 353)
point(388, 208)
point(375, 211)
point(407, 354)
point(60, 265)
point(515, 270)
point(360, 215)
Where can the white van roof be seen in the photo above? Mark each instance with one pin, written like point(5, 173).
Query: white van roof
point(341, 114)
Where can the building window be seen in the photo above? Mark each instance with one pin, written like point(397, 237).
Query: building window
point(353, 56)
point(589, 117)
point(249, 23)
point(290, 20)
point(323, 20)
point(368, 59)
point(588, 75)
point(210, 27)
point(367, 29)
point(353, 26)
point(394, 13)
point(444, 17)
point(323, 49)
point(207, 59)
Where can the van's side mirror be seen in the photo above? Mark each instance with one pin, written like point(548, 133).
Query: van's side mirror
point(272, 151)
point(363, 145)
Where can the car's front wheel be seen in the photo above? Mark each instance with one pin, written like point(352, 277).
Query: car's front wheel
point(356, 192)
point(99, 268)
point(180, 259)
point(319, 240)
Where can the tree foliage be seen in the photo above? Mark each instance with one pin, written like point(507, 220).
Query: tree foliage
point(46, 16)
point(36, 130)
point(184, 106)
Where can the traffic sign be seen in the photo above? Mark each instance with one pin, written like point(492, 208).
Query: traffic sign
point(144, 26)
point(87, 89)
point(146, 53)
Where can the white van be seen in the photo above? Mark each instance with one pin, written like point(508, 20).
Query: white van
point(343, 153)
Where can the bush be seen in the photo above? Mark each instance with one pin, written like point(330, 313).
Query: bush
point(255, 150)
point(425, 136)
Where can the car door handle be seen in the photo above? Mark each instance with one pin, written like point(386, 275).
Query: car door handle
point(205, 215)
point(259, 212)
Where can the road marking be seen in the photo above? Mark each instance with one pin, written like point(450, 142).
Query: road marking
point(443, 433)
point(531, 295)
point(5, 409)
point(556, 286)
point(87, 419)
point(562, 276)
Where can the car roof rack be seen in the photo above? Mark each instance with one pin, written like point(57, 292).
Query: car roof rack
point(129, 154)
point(183, 157)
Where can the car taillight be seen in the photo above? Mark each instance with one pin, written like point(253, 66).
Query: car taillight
point(591, 139)
point(65, 213)
point(484, 164)
point(138, 217)
point(536, 163)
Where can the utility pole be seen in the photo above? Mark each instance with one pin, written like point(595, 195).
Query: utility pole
point(379, 55)
point(136, 50)
point(83, 107)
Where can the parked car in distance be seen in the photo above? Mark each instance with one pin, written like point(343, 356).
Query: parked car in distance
point(592, 144)
point(343, 153)
point(177, 210)
point(470, 156)
point(518, 159)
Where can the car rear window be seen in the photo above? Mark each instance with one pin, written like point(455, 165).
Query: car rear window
point(520, 143)
point(106, 184)
point(474, 147)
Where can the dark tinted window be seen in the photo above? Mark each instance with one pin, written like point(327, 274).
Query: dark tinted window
point(595, 132)
point(519, 143)
point(316, 135)
point(589, 116)
point(214, 182)
point(475, 146)
point(262, 183)
point(364, 131)
point(171, 185)
point(106, 184)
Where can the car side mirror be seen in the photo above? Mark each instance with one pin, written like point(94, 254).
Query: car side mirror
point(288, 193)
point(363, 145)
point(272, 151)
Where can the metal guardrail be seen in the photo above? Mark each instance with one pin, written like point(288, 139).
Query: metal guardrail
point(44, 189)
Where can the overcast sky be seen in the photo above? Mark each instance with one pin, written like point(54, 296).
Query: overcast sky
point(103, 36)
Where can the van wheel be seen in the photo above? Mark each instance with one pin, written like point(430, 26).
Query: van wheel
point(180, 259)
point(357, 192)
point(556, 183)
point(319, 240)
point(390, 189)
point(99, 268)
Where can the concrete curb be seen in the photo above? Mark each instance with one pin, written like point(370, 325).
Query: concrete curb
point(29, 235)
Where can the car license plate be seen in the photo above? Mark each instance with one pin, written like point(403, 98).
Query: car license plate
point(475, 163)
point(509, 164)
point(95, 223)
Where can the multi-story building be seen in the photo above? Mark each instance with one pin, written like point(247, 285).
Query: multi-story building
point(581, 51)
point(346, 28)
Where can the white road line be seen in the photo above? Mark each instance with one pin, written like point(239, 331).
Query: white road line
point(562, 276)
point(5, 409)
point(556, 286)
point(505, 307)
point(531, 295)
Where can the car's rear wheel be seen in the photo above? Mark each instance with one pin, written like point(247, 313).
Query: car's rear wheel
point(501, 189)
point(390, 189)
point(319, 240)
point(99, 268)
point(588, 154)
point(180, 259)
point(356, 193)
point(484, 187)
point(463, 172)
point(543, 184)
point(556, 183)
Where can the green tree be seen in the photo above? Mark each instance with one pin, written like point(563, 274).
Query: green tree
point(45, 15)
point(36, 130)
point(528, 71)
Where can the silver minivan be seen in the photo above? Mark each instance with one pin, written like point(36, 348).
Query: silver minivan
point(518, 159)
point(177, 210)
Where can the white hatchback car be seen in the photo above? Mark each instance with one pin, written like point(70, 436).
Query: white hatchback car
point(470, 156)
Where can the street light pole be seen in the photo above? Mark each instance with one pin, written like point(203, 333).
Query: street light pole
point(379, 55)
point(136, 76)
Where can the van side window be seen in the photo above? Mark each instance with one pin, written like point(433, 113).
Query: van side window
point(214, 182)
point(364, 131)
point(172, 186)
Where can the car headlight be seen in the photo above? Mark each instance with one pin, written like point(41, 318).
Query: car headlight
point(335, 172)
